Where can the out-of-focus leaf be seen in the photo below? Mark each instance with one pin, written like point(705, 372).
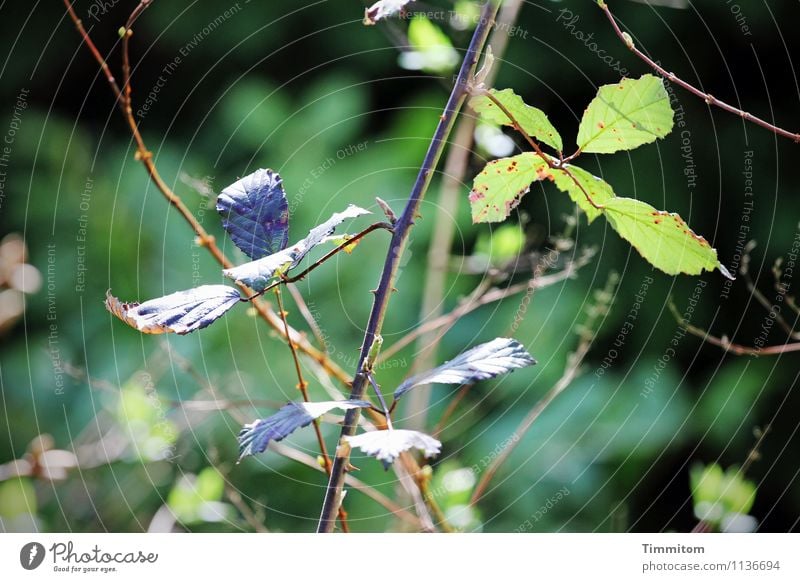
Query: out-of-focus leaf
point(482, 362)
point(626, 115)
point(151, 433)
point(722, 498)
point(532, 121)
point(255, 213)
point(181, 312)
point(465, 14)
point(196, 499)
point(17, 496)
point(255, 437)
point(432, 49)
point(383, 9)
point(502, 244)
point(386, 445)
point(492, 139)
point(258, 274)
point(662, 238)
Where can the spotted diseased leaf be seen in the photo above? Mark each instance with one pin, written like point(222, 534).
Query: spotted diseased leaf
point(255, 213)
point(500, 186)
point(532, 121)
point(599, 191)
point(259, 274)
point(386, 445)
point(482, 362)
point(498, 189)
point(662, 238)
point(383, 9)
point(255, 437)
point(625, 115)
point(181, 312)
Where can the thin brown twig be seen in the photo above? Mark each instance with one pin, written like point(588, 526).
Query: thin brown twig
point(249, 516)
point(304, 310)
point(302, 385)
point(744, 271)
point(570, 373)
point(482, 295)
point(672, 78)
point(424, 484)
point(451, 408)
point(724, 343)
point(573, 368)
point(789, 300)
point(203, 238)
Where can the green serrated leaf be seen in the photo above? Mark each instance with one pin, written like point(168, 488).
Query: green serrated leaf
point(625, 115)
point(663, 238)
point(600, 191)
point(532, 120)
point(497, 190)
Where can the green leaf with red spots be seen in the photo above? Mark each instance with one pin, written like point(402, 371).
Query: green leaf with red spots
point(626, 115)
point(499, 187)
point(599, 191)
point(663, 238)
point(532, 121)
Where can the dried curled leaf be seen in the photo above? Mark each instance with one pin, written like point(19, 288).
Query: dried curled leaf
point(181, 312)
point(386, 445)
point(255, 437)
point(482, 362)
point(258, 274)
point(255, 213)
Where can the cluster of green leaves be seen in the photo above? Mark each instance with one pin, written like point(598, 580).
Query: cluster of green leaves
point(723, 499)
point(622, 116)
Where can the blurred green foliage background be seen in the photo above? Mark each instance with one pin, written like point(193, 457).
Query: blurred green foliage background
point(306, 89)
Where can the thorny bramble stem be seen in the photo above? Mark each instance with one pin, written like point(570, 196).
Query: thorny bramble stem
point(396, 247)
